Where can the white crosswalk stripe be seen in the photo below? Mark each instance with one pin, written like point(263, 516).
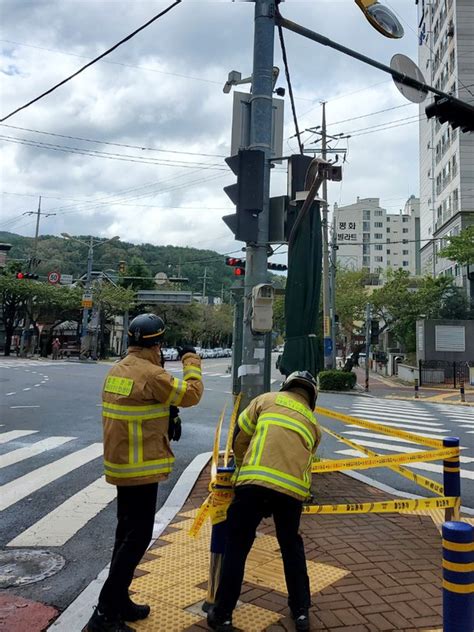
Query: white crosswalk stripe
point(64, 520)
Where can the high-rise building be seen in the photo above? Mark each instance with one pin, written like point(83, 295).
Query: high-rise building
point(369, 238)
point(446, 58)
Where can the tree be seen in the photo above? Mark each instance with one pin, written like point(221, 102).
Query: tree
point(460, 247)
point(351, 299)
point(137, 268)
point(110, 300)
point(13, 296)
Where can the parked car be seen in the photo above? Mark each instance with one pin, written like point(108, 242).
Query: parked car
point(170, 354)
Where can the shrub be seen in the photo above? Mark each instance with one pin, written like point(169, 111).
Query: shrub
point(336, 380)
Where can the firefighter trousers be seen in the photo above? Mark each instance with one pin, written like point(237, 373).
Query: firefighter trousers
point(136, 507)
point(252, 503)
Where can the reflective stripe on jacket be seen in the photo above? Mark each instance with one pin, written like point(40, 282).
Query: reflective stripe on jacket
point(275, 446)
point(136, 399)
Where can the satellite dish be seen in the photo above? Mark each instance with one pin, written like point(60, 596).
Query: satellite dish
point(407, 67)
point(161, 278)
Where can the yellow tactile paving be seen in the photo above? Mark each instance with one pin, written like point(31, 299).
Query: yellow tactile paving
point(266, 543)
point(157, 578)
point(271, 575)
point(258, 557)
point(254, 619)
point(165, 618)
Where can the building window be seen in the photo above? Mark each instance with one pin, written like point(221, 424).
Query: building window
point(405, 264)
point(388, 251)
point(379, 259)
point(388, 229)
point(378, 236)
point(378, 247)
point(378, 224)
point(379, 213)
point(366, 249)
point(405, 230)
point(366, 261)
point(366, 227)
point(405, 219)
point(365, 214)
point(388, 218)
point(366, 237)
point(405, 252)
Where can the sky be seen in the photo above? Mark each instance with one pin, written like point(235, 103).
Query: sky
point(135, 145)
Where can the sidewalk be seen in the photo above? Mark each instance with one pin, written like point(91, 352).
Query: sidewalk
point(391, 388)
point(369, 572)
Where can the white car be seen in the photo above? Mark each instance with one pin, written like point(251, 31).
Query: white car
point(170, 354)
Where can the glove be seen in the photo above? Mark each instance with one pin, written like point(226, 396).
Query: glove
point(183, 349)
point(174, 424)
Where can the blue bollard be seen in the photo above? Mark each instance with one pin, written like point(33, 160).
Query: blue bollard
point(451, 477)
point(458, 577)
point(218, 539)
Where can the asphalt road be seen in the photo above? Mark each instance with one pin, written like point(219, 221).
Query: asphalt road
point(53, 495)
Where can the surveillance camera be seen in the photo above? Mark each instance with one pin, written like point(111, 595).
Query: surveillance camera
point(280, 92)
point(227, 87)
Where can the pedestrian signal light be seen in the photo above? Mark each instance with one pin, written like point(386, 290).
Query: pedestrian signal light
point(277, 266)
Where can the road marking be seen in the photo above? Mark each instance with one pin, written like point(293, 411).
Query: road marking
point(398, 448)
point(374, 435)
point(426, 467)
point(408, 426)
point(27, 389)
point(21, 454)
point(36, 385)
point(20, 488)
point(57, 527)
point(33, 406)
point(394, 415)
point(15, 434)
point(12, 393)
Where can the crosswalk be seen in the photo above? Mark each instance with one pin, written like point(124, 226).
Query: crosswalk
point(60, 521)
point(224, 376)
point(24, 363)
point(429, 420)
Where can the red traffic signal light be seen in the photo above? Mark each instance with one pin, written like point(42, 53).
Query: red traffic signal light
point(239, 271)
point(20, 275)
point(26, 275)
point(237, 264)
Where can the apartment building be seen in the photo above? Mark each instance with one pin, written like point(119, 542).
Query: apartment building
point(370, 238)
point(446, 58)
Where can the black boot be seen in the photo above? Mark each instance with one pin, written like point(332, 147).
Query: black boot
point(301, 619)
point(100, 622)
point(134, 611)
point(219, 622)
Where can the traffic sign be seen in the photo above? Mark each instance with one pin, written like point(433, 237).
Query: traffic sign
point(66, 279)
point(54, 277)
point(327, 346)
point(161, 278)
point(87, 299)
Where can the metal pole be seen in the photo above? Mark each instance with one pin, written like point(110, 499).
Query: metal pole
point(237, 295)
point(458, 577)
point(85, 310)
point(125, 333)
point(326, 299)
point(26, 326)
point(367, 345)
point(451, 477)
point(253, 355)
point(333, 290)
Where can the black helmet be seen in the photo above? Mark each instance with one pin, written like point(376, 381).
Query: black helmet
point(146, 330)
point(304, 380)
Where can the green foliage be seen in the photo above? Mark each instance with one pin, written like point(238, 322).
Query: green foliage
point(351, 298)
point(137, 268)
point(112, 300)
point(460, 247)
point(336, 380)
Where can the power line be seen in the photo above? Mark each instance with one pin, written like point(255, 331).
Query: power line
point(290, 88)
point(105, 142)
point(355, 118)
point(107, 52)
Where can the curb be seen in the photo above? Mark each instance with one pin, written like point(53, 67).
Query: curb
point(79, 611)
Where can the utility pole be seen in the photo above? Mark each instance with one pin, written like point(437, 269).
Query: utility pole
point(326, 296)
point(204, 280)
point(367, 344)
point(333, 288)
point(253, 353)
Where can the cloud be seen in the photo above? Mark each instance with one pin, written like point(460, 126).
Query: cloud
point(163, 91)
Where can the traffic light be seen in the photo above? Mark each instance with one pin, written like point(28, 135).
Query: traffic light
point(277, 266)
point(374, 332)
point(122, 267)
point(237, 264)
point(451, 110)
point(27, 275)
point(247, 194)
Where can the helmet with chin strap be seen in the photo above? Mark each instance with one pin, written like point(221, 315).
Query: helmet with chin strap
point(146, 330)
point(304, 380)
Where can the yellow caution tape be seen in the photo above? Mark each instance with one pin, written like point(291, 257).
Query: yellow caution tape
point(230, 434)
point(200, 518)
point(382, 461)
point(388, 506)
point(423, 481)
point(401, 434)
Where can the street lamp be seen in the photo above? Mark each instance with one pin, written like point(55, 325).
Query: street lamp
point(90, 255)
point(381, 18)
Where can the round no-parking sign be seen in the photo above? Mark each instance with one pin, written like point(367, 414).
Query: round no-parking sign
point(54, 277)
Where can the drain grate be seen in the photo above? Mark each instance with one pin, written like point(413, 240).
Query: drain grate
point(27, 566)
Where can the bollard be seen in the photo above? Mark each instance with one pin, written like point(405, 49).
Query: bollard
point(416, 389)
point(451, 477)
point(458, 577)
point(224, 486)
point(461, 388)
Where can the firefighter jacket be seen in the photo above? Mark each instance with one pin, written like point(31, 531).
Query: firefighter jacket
point(274, 447)
point(136, 400)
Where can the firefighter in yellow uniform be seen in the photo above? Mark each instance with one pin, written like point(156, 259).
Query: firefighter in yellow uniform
point(136, 400)
point(274, 448)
